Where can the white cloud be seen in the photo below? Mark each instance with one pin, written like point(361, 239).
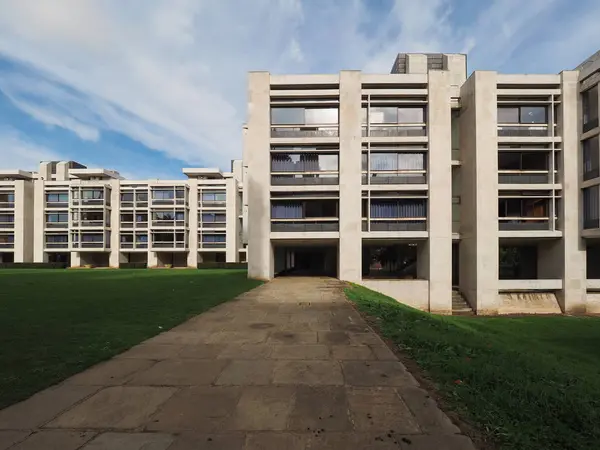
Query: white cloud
point(18, 152)
point(172, 74)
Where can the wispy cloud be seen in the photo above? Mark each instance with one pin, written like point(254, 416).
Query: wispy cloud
point(172, 74)
point(19, 152)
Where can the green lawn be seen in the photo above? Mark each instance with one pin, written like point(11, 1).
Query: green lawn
point(55, 323)
point(525, 383)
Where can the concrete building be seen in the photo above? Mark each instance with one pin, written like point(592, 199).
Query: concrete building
point(72, 214)
point(427, 185)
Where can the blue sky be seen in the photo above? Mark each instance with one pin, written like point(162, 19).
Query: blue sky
point(147, 87)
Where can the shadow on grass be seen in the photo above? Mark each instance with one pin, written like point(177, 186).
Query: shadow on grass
point(521, 381)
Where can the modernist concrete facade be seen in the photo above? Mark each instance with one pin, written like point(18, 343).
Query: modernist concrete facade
point(69, 213)
point(422, 181)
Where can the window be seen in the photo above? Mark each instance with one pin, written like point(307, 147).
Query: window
point(589, 103)
point(213, 217)
point(304, 116)
point(523, 207)
point(392, 261)
point(127, 238)
point(57, 238)
point(591, 207)
point(522, 114)
point(401, 208)
point(141, 196)
point(304, 209)
point(213, 238)
point(213, 196)
point(393, 114)
point(92, 194)
point(141, 238)
point(7, 238)
point(141, 217)
point(7, 218)
point(57, 197)
point(517, 263)
point(397, 161)
point(127, 197)
point(127, 217)
point(92, 238)
point(522, 161)
point(303, 162)
point(591, 155)
point(163, 215)
point(163, 194)
point(533, 114)
point(180, 193)
point(57, 218)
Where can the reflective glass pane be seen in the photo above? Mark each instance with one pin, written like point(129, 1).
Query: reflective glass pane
point(508, 114)
point(321, 115)
point(287, 116)
point(384, 114)
point(411, 115)
point(533, 114)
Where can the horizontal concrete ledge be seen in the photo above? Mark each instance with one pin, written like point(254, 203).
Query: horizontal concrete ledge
point(593, 284)
point(399, 235)
point(305, 235)
point(530, 234)
point(529, 285)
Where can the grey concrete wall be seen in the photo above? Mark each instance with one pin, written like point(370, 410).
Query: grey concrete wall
point(350, 246)
point(479, 192)
point(192, 258)
point(572, 298)
point(439, 173)
point(232, 218)
point(257, 157)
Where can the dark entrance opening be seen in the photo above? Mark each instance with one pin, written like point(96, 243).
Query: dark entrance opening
point(306, 261)
point(63, 258)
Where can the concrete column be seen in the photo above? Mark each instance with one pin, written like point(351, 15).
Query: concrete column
point(456, 65)
point(258, 182)
point(192, 257)
point(115, 224)
point(152, 259)
point(479, 192)
point(75, 259)
point(572, 298)
point(416, 63)
point(232, 225)
point(62, 171)
point(350, 207)
point(39, 205)
point(439, 174)
point(45, 171)
point(23, 235)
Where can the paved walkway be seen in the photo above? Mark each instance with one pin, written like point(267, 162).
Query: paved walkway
point(289, 365)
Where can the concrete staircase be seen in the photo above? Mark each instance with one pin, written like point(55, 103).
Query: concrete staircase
point(460, 307)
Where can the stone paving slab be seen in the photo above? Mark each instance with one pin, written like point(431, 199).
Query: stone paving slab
point(131, 441)
point(55, 440)
point(289, 365)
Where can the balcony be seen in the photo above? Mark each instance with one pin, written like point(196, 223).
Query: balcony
point(300, 179)
point(523, 177)
point(7, 245)
point(524, 224)
point(213, 225)
point(164, 244)
point(295, 131)
point(394, 131)
point(213, 245)
point(169, 223)
point(55, 245)
point(398, 178)
point(89, 244)
point(514, 130)
point(397, 224)
point(57, 224)
point(62, 205)
point(7, 205)
point(87, 223)
point(295, 226)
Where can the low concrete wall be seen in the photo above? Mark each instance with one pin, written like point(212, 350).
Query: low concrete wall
point(530, 285)
point(593, 303)
point(413, 293)
point(528, 303)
